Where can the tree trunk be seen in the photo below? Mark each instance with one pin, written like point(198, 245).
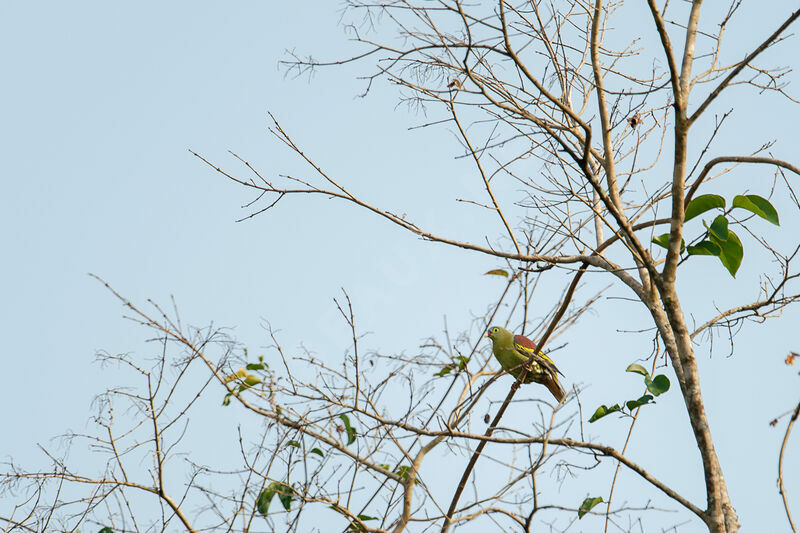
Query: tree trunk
point(720, 515)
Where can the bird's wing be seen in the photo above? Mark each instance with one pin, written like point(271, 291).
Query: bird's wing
point(527, 347)
point(524, 342)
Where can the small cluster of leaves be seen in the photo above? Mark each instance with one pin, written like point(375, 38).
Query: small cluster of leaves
point(588, 504)
point(655, 386)
point(286, 494)
point(403, 471)
point(719, 240)
point(354, 527)
point(459, 363)
point(349, 429)
point(244, 378)
point(295, 444)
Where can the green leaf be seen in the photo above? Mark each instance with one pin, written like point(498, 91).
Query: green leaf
point(659, 385)
point(731, 252)
point(604, 410)
point(444, 371)
point(639, 369)
point(251, 380)
point(356, 527)
point(719, 228)
point(404, 471)
point(703, 203)
point(459, 362)
point(293, 443)
point(106, 530)
point(704, 248)
point(286, 495)
point(227, 399)
point(633, 404)
point(317, 451)
point(351, 432)
point(264, 499)
point(758, 205)
point(255, 366)
point(663, 241)
point(497, 272)
point(588, 504)
point(236, 375)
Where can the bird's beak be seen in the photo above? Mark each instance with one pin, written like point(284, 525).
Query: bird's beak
point(488, 335)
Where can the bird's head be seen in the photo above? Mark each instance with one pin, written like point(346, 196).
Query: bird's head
point(496, 333)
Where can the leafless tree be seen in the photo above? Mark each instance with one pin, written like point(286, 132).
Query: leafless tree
point(543, 95)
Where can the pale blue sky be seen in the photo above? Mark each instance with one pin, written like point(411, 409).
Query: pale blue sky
point(99, 105)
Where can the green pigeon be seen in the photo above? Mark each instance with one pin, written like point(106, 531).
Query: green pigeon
point(513, 351)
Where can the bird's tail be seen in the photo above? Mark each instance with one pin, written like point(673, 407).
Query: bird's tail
point(555, 388)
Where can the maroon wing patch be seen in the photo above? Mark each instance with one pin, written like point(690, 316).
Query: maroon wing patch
point(538, 357)
point(525, 342)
